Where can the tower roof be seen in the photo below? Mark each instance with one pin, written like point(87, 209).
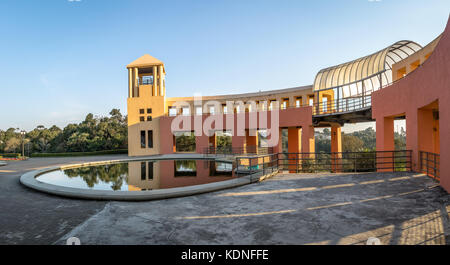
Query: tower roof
point(146, 60)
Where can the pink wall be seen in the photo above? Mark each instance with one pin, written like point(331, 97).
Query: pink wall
point(428, 83)
point(292, 117)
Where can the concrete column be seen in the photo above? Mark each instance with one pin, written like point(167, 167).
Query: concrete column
point(294, 146)
point(160, 80)
point(385, 142)
point(308, 141)
point(201, 142)
point(135, 82)
point(238, 142)
point(130, 82)
point(336, 149)
point(155, 81)
point(251, 140)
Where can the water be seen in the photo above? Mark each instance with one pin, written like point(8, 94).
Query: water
point(140, 175)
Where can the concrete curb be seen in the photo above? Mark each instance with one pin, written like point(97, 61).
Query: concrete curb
point(29, 180)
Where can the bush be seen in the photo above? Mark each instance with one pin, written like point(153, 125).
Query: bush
point(10, 155)
point(106, 152)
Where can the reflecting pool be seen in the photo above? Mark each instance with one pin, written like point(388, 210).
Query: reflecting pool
point(140, 175)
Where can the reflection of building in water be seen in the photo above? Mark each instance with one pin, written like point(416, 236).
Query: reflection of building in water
point(143, 175)
point(149, 175)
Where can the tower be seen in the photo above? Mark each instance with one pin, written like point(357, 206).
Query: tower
point(145, 105)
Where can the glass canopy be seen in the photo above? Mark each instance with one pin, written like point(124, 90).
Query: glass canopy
point(367, 74)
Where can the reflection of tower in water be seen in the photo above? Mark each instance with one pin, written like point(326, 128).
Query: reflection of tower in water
point(149, 175)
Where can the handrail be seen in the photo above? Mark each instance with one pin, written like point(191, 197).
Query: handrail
point(371, 161)
point(429, 164)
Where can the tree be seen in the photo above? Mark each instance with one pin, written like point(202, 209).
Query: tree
point(351, 143)
point(92, 134)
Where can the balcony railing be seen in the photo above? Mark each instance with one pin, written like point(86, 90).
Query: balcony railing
point(429, 164)
point(342, 105)
point(229, 150)
point(383, 161)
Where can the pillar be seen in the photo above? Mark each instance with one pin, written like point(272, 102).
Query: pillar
point(212, 143)
point(251, 141)
point(336, 149)
point(385, 142)
point(308, 143)
point(201, 142)
point(238, 144)
point(160, 80)
point(130, 82)
point(294, 148)
point(155, 81)
point(135, 82)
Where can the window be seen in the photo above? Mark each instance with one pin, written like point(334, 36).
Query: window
point(149, 111)
point(142, 139)
point(298, 102)
point(149, 118)
point(401, 73)
point(311, 100)
point(142, 118)
point(147, 80)
point(211, 109)
point(150, 139)
point(224, 109)
point(141, 111)
point(143, 171)
point(272, 105)
point(186, 111)
point(285, 103)
point(150, 170)
point(414, 65)
point(198, 111)
point(172, 111)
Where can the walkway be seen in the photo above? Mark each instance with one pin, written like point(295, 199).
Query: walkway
point(401, 208)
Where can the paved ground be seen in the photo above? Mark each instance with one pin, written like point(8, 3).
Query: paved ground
point(400, 208)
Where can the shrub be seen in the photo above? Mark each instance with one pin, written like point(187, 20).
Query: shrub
point(106, 152)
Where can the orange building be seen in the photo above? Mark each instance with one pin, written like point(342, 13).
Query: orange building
point(404, 80)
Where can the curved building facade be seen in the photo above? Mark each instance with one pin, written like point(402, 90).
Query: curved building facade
point(402, 80)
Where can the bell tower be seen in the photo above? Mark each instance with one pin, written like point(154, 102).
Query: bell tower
point(145, 104)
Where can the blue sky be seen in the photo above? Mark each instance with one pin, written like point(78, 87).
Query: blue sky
point(61, 60)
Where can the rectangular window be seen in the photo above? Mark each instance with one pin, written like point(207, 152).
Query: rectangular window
point(186, 111)
point(149, 118)
point(141, 111)
point(142, 118)
point(224, 109)
point(414, 65)
point(285, 103)
point(147, 80)
point(272, 104)
point(211, 109)
point(311, 100)
point(149, 111)
point(150, 170)
point(150, 139)
point(143, 171)
point(142, 139)
point(298, 102)
point(172, 111)
point(198, 111)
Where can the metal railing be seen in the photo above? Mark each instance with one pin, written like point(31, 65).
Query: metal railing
point(371, 161)
point(337, 162)
point(229, 150)
point(145, 82)
point(248, 165)
point(429, 164)
point(342, 105)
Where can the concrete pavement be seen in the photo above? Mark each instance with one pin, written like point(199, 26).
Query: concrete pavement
point(401, 208)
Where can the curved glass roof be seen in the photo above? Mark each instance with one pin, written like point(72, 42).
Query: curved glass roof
point(368, 73)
